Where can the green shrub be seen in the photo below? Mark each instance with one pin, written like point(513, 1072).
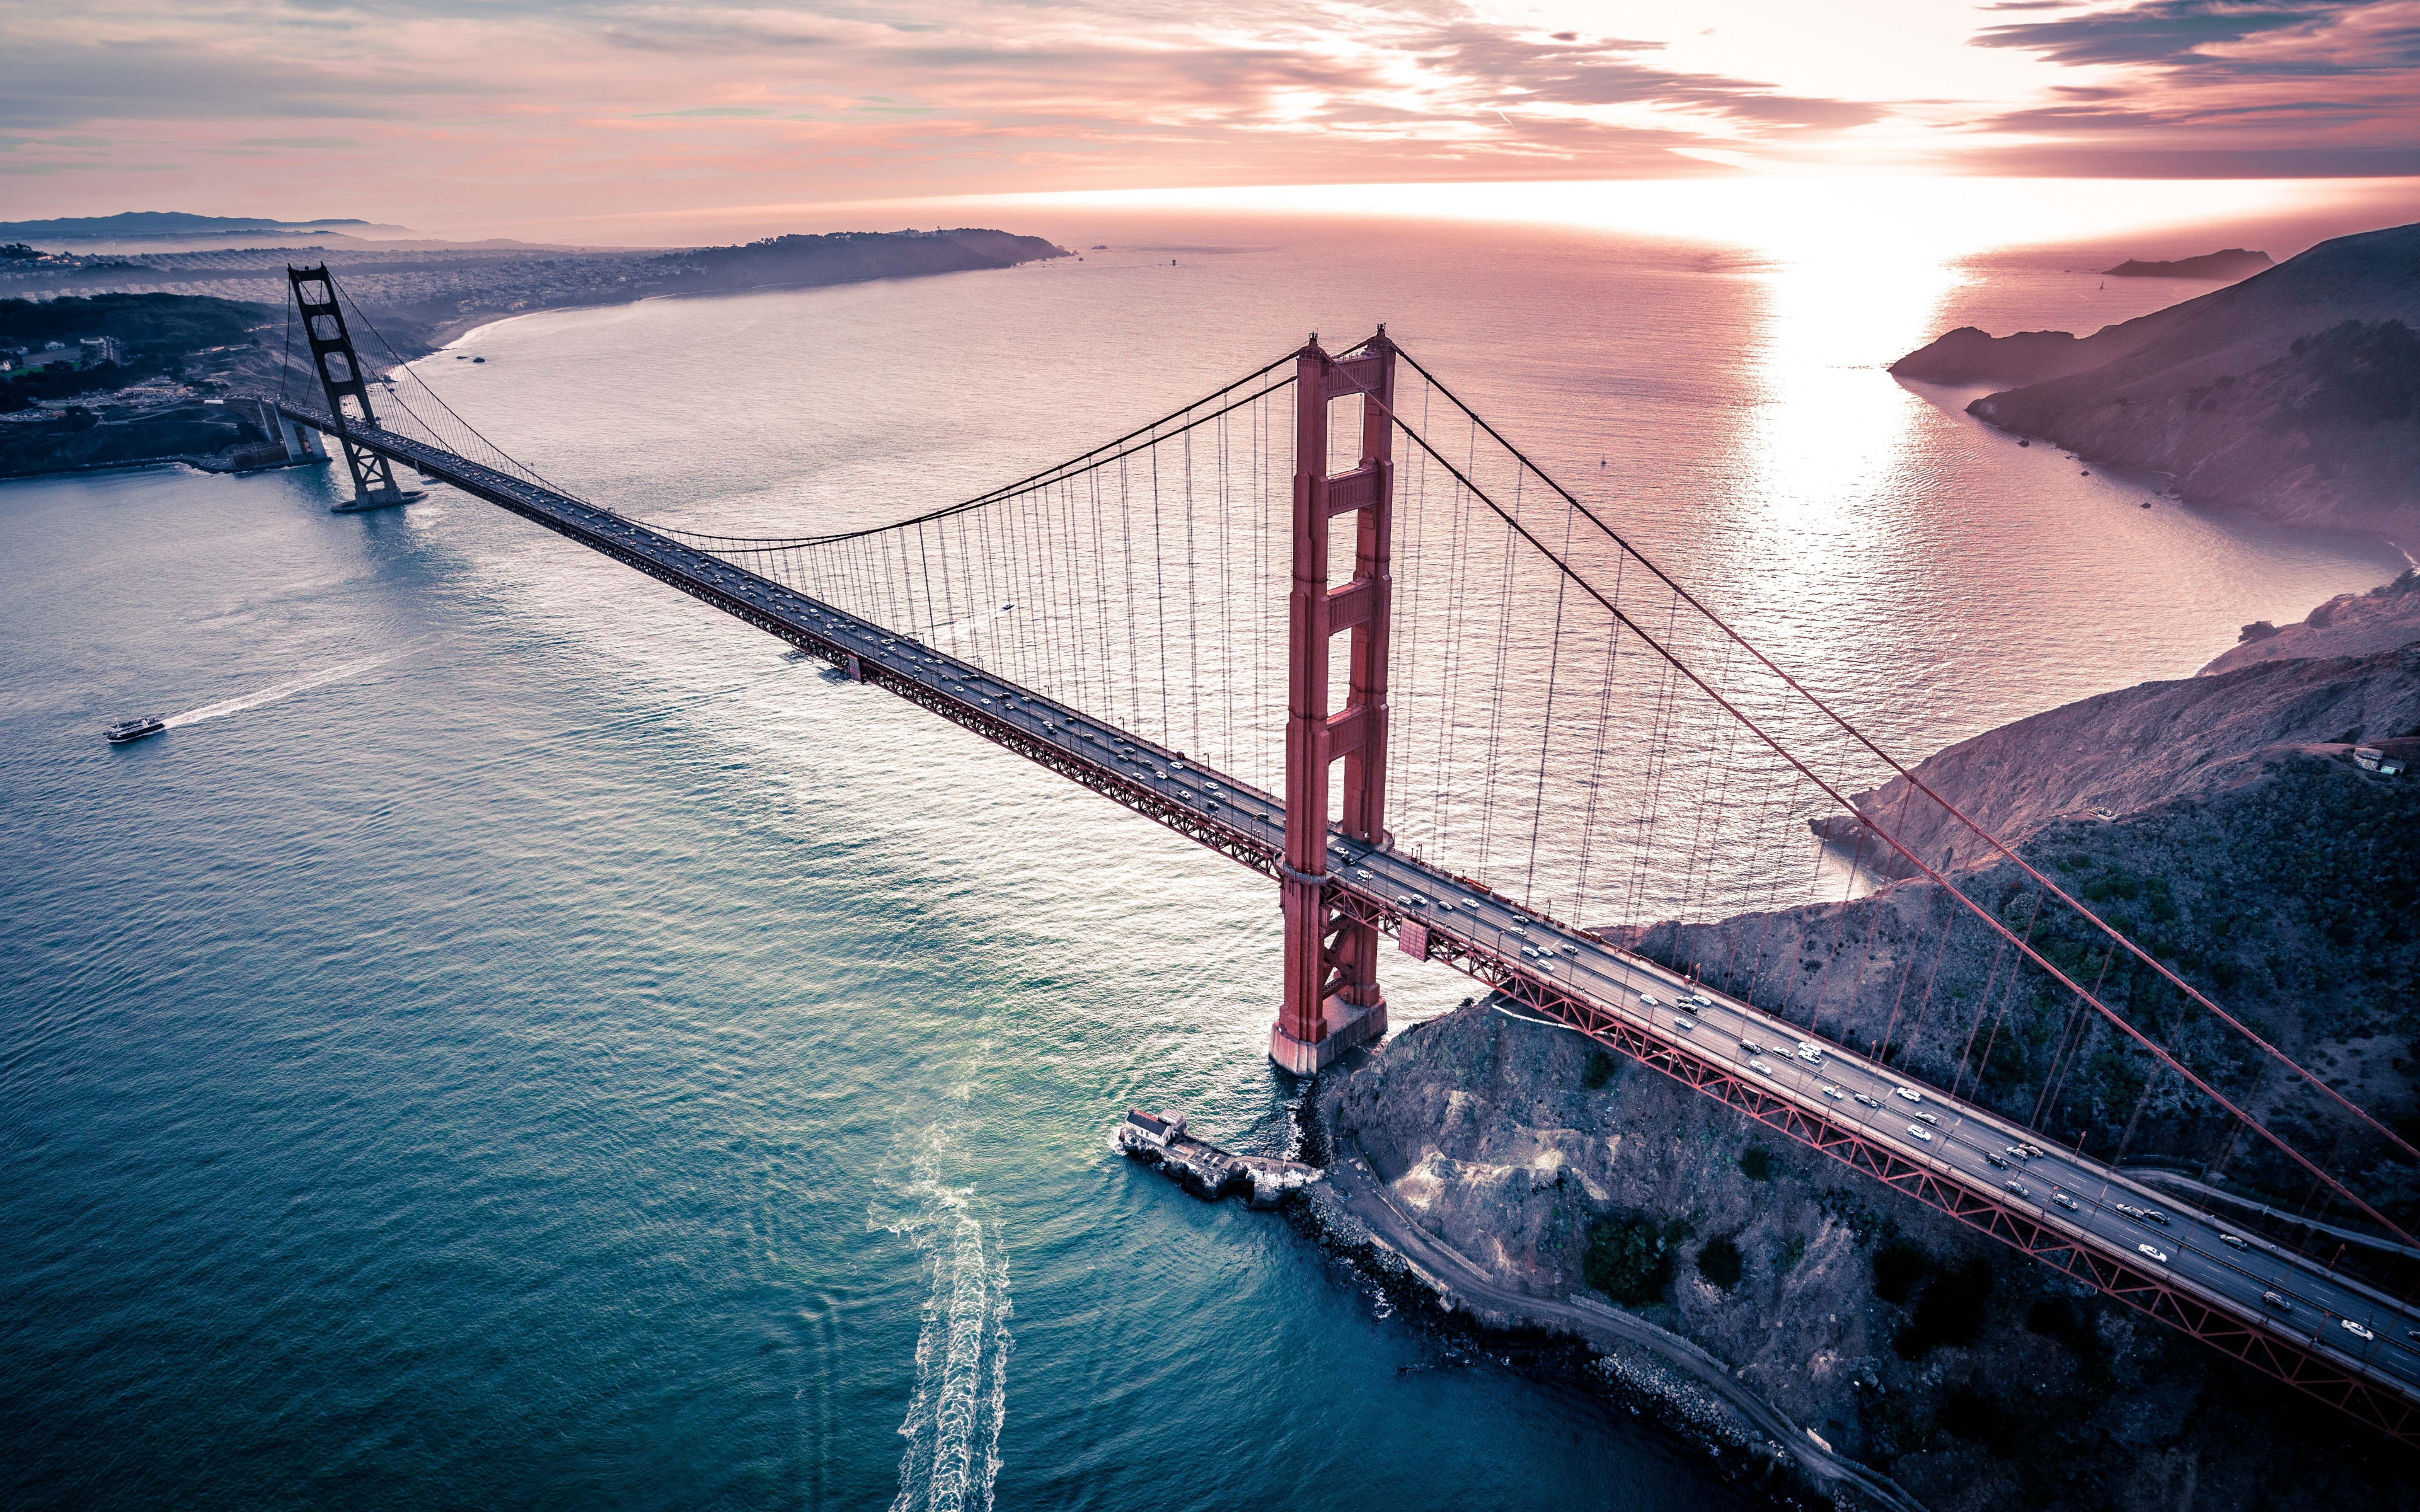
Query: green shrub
point(1630, 1258)
point(1719, 1263)
point(1756, 1163)
point(1897, 1267)
point(1951, 1311)
point(1598, 1072)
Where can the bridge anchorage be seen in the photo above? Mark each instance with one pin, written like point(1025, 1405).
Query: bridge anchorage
point(1531, 724)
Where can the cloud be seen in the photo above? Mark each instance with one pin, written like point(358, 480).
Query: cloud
point(2209, 87)
point(2213, 38)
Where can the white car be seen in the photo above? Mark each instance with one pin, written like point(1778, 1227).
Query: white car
point(1833, 1093)
point(2064, 1201)
point(1649, 999)
point(1910, 1093)
point(1760, 1067)
point(1920, 1131)
point(2231, 1241)
point(1810, 1053)
point(1684, 1025)
point(2152, 1253)
point(1929, 1118)
point(2355, 1329)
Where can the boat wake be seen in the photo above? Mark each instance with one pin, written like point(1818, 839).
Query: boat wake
point(281, 690)
point(953, 1419)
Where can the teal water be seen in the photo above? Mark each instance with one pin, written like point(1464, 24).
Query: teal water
point(521, 1039)
point(562, 1060)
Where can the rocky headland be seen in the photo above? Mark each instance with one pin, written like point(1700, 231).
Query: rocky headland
point(2295, 392)
point(2219, 821)
point(2225, 267)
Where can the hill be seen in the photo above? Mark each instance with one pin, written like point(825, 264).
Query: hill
point(2296, 392)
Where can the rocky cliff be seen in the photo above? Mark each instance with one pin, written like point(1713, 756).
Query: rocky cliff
point(2246, 852)
point(1973, 1379)
point(2296, 392)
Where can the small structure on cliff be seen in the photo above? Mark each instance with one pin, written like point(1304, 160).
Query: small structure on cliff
point(1159, 1140)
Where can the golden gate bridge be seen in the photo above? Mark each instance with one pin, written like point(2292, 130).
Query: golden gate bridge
point(1529, 724)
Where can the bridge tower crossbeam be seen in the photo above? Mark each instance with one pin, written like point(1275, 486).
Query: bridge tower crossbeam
point(339, 369)
point(1332, 1001)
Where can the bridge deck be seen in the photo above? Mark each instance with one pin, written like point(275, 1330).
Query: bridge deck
point(1843, 1105)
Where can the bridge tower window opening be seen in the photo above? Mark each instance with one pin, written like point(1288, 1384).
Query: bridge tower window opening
point(349, 398)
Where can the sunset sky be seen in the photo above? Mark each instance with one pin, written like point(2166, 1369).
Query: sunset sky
point(510, 117)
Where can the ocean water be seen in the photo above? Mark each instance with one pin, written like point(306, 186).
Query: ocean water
point(521, 1039)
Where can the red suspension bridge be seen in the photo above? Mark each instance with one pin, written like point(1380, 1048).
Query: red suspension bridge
point(1499, 721)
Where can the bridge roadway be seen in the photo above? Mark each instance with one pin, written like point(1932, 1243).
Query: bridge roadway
point(1934, 1147)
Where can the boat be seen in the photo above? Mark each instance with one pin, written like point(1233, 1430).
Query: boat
point(128, 730)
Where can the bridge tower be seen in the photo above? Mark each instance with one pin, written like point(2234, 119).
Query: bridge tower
point(1332, 1002)
point(340, 375)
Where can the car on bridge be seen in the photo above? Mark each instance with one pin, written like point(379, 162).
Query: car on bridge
point(1811, 1052)
point(1866, 1101)
point(2017, 1187)
point(1760, 1067)
point(2275, 1302)
point(1684, 1025)
point(1994, 1162)
point(2355, 1328)
point(1931, 1119)
point(1920, 1131)
point(1650, 1000)
point(1910, 1093)
point(1833, 1092)
point(2233, 1242)
point(1751, 1047)
point(2152, 1253)
point(2065, 1201)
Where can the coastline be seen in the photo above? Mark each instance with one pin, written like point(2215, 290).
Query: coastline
point(1650, 1371)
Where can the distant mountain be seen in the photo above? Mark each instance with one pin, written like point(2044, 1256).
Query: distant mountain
point(2225, 266)
point(2296, 392)
point(140, 224)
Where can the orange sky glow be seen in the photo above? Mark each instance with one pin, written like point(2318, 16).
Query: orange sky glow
point(664, 121)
